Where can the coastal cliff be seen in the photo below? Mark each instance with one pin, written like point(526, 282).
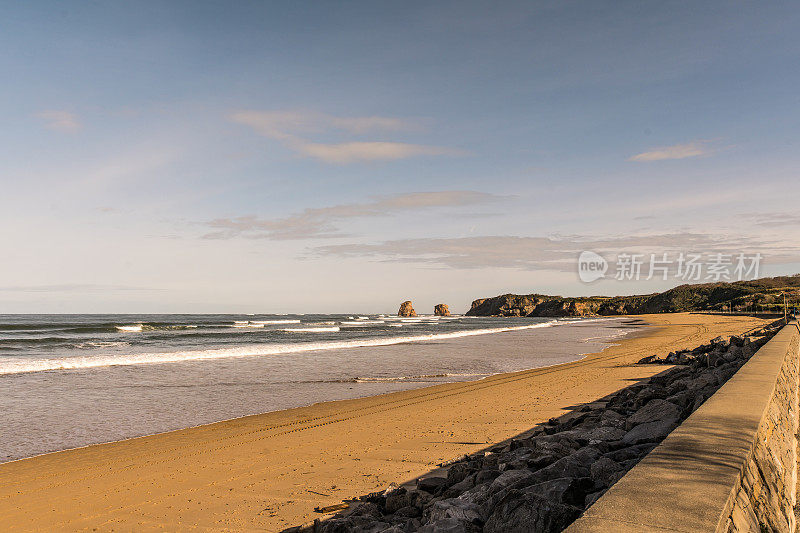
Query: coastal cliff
point(759, 294)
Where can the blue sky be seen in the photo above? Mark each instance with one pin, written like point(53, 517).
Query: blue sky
point(343, 157)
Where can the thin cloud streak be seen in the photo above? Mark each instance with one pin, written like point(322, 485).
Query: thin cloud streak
point(774, 220)
point(282, 124)
point(319, 222)
point(73, 287)
point(292, 127)
point(548, 253)
point(677, 151)
point(371, 151)
point(62, 121)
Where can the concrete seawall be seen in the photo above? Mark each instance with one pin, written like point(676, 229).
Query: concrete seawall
point(731, 466)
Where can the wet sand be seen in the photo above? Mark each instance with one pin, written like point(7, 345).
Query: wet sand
point(268, 472)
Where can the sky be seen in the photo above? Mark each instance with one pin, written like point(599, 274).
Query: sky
point(301, 157)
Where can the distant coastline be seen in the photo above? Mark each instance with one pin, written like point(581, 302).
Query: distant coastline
point(759, 295)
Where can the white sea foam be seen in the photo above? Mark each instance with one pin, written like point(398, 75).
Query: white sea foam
point(101, 344)
point(312, 330)
point(12, 365)
point(144, 327)
point(412, 378)
point(269, 322)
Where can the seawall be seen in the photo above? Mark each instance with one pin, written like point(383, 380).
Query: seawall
point(731, 466)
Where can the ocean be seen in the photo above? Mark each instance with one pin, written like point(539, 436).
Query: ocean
point(73, 380)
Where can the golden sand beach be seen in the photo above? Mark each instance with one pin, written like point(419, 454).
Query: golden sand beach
point(269, 471)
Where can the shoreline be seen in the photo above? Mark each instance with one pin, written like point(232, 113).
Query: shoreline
point(260, 349)
point(312, 439)
point(423, 385)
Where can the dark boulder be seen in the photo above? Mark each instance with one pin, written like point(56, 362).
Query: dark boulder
point(612, 419)
point(650, 431)
point(458, 472)
point(449, 525)
point(456, 508)
point(512, 479)
point(460, 487)
point(362, 524)
point(408, 511)
point(431, 484)
point(486, 475)
point(631, 452)
point(397, 500)
point(524, 512)
point(604, 471)
point(570, 491)
point(653, 411)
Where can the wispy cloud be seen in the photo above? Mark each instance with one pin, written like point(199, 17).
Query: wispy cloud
point(774, 220)
point(62, 121)
point(293, 127)
point(139, 163)
point(319, 222)
point(286, 124)
point(72, 287)
point(547, 253)
point(677, 151)
point(371, 151)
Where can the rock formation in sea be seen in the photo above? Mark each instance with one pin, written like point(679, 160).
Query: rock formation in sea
point(441, 310)
point(406, 309)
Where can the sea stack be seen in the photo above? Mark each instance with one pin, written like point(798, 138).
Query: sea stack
point(406, 309)
point(441, 310)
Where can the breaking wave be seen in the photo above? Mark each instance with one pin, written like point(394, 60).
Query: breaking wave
point(13, 365)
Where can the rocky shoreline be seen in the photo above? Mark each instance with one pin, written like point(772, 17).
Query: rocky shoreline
point(765, 294)
point(543, 480)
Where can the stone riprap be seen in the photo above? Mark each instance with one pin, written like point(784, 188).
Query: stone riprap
point(544, 480)
point(731, 467)
point(712, 353)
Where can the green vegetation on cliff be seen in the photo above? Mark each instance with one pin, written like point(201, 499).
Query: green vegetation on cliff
point(755, 295)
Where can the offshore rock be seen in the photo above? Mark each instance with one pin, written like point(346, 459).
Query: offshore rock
point(441, 310)
point(406, 309)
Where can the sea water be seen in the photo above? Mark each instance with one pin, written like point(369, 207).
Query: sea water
point(73, 380)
